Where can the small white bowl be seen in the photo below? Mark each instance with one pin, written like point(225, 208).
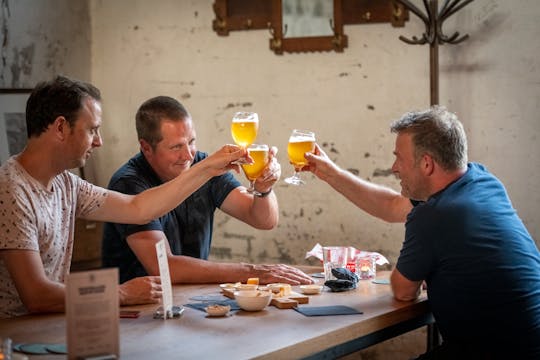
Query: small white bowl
point(311, 289)
point(252, 300)
point(217, 310)
point(244, 287)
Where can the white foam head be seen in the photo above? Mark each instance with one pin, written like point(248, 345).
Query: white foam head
point(246, 116)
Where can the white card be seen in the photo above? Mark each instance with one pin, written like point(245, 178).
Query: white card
point(92, 313)
point(167, 301)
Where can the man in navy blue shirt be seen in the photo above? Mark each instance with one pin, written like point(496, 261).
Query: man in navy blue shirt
point(462, 237)
point(167, 141)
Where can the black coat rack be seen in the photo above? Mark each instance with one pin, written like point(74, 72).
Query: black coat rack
point(433, 20)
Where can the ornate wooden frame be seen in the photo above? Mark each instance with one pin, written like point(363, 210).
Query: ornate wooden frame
point(234, 15)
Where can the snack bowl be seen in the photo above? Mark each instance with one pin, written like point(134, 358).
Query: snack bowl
point(217, 310)
point(311, 289)
point(245, 287)
point(252, 300)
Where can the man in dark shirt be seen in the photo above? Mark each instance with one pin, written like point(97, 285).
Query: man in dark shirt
point(167, 142)
point(462, 237)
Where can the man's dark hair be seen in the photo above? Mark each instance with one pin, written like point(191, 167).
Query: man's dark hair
point(152, 112)
point(60, 97)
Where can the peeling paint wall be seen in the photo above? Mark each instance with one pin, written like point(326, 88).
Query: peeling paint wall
point(345, 98)
point(140, 49)
point(40, 39)
point(168, 47)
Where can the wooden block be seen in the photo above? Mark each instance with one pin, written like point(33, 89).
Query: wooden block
point(284, 303)
point(300, 298)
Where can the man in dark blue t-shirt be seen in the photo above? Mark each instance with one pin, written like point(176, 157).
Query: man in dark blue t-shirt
point(462, 237)
point(167, 142)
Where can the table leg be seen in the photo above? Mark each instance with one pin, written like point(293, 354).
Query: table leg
point(433, 336)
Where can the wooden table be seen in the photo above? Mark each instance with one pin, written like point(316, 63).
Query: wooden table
point(269, 334)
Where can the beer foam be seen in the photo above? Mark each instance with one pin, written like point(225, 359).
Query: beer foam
point(301, 138)
point(245, 116)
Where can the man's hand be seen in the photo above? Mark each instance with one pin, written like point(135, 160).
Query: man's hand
point(271, 173)
point(279, 273)
point(141, 290)
point(220, 161)
point(320, 164)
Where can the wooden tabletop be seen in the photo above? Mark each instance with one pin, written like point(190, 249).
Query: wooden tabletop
point(269, 334)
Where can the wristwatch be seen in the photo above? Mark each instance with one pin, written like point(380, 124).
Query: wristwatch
point(264, 194)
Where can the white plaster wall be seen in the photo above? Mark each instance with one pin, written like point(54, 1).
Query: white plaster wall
point(145, 48)
point(142, 49)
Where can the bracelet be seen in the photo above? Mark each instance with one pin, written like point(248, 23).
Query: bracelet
point(264, 194)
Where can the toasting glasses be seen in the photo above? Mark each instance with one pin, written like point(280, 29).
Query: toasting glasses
point(300, 142)
point(259, 154)
point(244, 127)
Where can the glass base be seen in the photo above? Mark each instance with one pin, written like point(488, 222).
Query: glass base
point(294, 180)
point(251, 191)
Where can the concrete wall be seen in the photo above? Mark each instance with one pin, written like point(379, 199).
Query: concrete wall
point(142, 49)
point(136, 49)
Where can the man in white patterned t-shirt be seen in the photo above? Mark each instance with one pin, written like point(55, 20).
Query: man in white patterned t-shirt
point(40, 199)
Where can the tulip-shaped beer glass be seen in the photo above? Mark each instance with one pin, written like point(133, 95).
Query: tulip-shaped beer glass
point(259, 154)
point(244, 127)
point(300, 142)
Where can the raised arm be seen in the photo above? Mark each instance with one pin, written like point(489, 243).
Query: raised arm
point(154, 202)
point(259, 212)
point(376, 200)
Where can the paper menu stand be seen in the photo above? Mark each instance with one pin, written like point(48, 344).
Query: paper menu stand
point(167, 310)
point(92, 313)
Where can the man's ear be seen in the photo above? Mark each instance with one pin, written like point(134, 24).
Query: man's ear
point(146, 148)
point(427, 164)
point(61, 127)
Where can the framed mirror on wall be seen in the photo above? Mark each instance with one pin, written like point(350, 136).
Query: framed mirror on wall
point(241, 15)
point(307, 25)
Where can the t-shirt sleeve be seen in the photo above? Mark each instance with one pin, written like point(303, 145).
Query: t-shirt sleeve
point(416, 256)
point(221, 187)
point(18, 228)
point(132, 186)
point(89, 196)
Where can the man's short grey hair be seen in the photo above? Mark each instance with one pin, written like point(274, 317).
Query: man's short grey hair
point(437, 132)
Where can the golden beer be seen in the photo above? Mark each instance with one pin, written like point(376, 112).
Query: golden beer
point(297, 148)
point(300, 142)
point(259, 155)
point(244, 128)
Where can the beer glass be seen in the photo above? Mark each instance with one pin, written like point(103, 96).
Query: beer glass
point(300, 142)
point(259, 154)
point(244, 127)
